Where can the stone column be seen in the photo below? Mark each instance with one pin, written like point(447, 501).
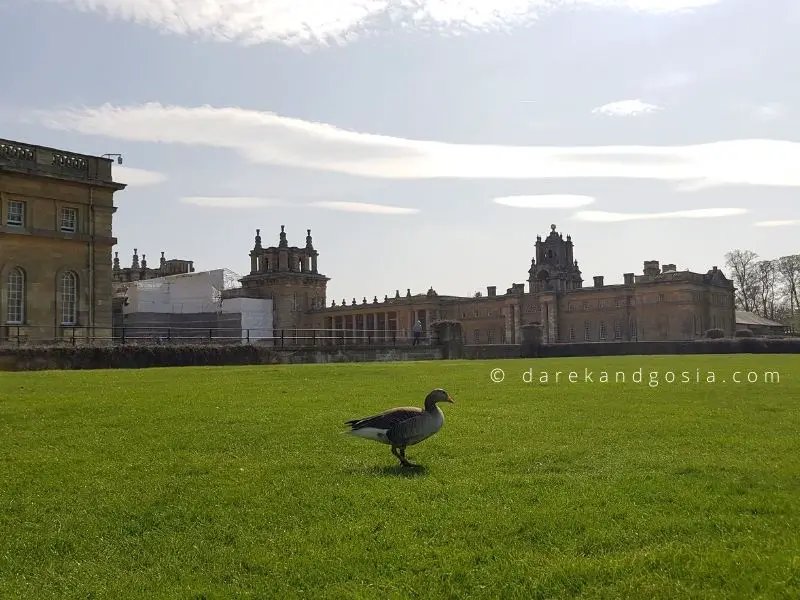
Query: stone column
point(448, 335)
point(531, 340)
point(517, 324)
point(386, 326)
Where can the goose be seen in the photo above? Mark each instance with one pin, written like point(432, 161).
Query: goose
point(403, 426)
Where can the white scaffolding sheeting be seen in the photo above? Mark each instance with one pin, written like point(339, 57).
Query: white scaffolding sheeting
point(184, 293)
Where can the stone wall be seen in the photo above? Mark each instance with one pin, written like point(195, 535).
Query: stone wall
point(135, 356)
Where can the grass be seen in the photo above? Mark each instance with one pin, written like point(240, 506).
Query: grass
point(235, 482)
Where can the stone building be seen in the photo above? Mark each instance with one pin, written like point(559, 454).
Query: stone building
point(56, 210)
point(287, 275)
point(660, 304)
point(139, 270)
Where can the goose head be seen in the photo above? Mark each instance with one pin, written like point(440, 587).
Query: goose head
point(437, 395)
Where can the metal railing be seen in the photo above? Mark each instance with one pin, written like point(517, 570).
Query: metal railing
point(19, 335)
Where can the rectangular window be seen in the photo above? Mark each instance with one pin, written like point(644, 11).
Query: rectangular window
point(477, 336)
point(16, 214)
point(571, 334)
point(617, 330)
point(69, 219)
point(587, 331)
point(490, 336)
point(603, 331)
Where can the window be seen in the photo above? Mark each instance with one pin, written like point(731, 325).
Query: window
point(617, 330)
point(68, 291)
point(69, 219)
point(571, 334)
point(587, 331)
point(661, 297)
point(503, 336)
point(634, 331)
point(477, 338)
point(585, 306)
point(490, 336)
point(603, 331)
point(16, 213)
point(294, 302)
point(617, 302)
point(15, 297)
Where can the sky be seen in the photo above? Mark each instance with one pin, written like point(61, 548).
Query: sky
point(426, 143)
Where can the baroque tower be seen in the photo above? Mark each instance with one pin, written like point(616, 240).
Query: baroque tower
point(287, 275)
point(554, 269)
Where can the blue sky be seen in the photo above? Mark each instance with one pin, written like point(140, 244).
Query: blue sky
point(425, 143)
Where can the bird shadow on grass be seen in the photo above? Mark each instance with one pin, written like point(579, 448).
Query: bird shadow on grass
point(393, 471)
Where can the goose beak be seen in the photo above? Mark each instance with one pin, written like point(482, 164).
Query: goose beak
point(450, 400)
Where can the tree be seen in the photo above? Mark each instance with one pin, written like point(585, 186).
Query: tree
point(767, 271)
point(742, 264)
point(788, 268)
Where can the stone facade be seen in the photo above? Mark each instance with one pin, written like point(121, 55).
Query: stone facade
point(660, 304)
point(56, 211)
point(287, 275)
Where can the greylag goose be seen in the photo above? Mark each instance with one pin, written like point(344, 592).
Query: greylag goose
point(403, 426)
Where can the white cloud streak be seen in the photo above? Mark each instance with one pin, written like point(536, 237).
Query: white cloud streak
point(785, 223)
point(230, 201)
point(136, 177)
point(545, 201)
point(625, 108)
point(700, 213)
point(266, 138)
point(247, 202)
point(319, 22)
point(362, 207)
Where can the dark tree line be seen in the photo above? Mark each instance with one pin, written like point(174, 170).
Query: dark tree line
point(770, 288)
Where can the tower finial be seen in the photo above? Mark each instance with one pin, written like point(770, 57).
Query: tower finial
point(135, 261)
point(553, 228)
point(309, 243)
point(283, 242)
point(258, 239)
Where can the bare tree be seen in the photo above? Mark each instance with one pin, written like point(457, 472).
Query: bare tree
point(767, 272)
point(788, 268)
point(742, 264)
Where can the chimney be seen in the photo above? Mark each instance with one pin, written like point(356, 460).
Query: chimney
point(491, 291)
point(598, 281)
point(629, 278)
point(651, 268)
point(669, 268)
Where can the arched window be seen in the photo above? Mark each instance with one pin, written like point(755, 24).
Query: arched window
point(68, 293)
point(15, 297)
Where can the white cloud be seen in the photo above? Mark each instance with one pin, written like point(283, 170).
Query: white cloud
point(266, 138)
point(136, 177)
point(545, 201)
point(785, 223)
point(625, 108)
point(361, 207)
point(321, 21)
point(700, 213)
point(230, 201)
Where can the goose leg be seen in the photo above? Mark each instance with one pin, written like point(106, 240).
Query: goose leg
point(404, 460)
point(399, 456)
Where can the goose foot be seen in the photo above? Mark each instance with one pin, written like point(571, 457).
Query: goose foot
point(404, 461)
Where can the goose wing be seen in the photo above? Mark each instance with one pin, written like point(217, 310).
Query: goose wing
point(387, 419)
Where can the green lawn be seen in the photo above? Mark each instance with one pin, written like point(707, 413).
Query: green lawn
point(235, 482)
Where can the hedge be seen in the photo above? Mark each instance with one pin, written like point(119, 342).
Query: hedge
point(131, 356)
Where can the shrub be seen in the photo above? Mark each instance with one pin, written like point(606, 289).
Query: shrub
point(744, 333)
point(715, 334)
